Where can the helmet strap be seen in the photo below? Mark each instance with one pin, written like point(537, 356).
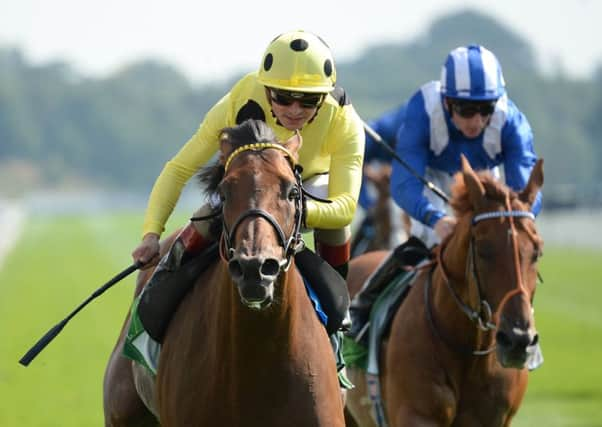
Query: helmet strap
point(316, 113)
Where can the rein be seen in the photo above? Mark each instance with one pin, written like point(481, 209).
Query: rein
point(483, 317)
point(436, 331)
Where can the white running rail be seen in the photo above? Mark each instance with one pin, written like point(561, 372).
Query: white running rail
point(12, 219)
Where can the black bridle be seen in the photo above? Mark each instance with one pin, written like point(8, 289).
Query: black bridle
point(291, 244)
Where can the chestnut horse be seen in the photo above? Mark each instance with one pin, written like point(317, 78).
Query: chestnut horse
point(458, 344)
point(245, 347)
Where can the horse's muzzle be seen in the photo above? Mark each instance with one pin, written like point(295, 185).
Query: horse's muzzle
point(254, 276)
point(514, 346)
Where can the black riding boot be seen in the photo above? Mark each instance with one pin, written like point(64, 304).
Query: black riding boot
point(188, 256)
point(328, 285)
point(343, 269)
point(408, 253)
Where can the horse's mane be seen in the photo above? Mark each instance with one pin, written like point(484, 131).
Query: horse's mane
point(494, 190)
point(209, 176)
point(248, 132)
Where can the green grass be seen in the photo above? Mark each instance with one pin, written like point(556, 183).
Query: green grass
point(56, 265)
point(59, 262)
point(566, 390)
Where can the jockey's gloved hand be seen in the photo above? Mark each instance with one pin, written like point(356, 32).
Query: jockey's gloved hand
point(147, 252)
point(445, 226)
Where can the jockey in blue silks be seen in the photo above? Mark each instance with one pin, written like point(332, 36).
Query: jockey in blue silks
point(386, 126)
point(466, 112)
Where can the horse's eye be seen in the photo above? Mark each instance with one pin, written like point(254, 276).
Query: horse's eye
point(537, 253)
point(221, 193)
point(294, 194)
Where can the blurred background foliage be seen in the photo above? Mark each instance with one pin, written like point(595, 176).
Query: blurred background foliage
point(62, 130)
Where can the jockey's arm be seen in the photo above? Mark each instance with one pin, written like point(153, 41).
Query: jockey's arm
point(192, 156)
point(519, 155)
point(445, 226)
point(413, 147)
point(386, 126)
point(346, 146)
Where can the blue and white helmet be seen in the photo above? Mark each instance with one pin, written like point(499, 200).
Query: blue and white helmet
point(472, 73)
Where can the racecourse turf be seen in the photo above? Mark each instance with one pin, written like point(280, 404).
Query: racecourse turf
point(60, 261)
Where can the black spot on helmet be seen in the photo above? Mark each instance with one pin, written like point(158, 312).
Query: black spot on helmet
point(268, 61)
point(328, 67)
point(299, 45)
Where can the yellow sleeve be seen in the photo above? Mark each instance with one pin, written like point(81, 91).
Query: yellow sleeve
point(192, 156)
point(345, 175)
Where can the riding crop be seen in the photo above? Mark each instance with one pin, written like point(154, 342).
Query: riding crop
point(52, 333)
point(393, 154)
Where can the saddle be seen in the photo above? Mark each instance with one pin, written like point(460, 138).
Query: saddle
point(158, 303)
point(385, 292)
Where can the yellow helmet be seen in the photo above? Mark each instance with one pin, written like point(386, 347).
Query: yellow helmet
point(298, 61)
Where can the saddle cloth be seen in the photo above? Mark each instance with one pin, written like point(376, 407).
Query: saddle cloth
point(381, 315)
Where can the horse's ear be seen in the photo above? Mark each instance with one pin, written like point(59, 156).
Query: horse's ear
point(379, 176)
point(370, 173)
point(529, 193)
point(476, 191)
point(294, 143)
point(225, 147)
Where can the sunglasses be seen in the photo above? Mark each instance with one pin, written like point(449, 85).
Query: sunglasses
point(469, 109)
point(286, 98)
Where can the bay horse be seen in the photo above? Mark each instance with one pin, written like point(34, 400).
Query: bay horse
point(245, 347)
point(458, 344)
point(388, 226)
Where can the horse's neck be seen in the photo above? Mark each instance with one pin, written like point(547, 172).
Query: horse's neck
point(383, 225)
point(384, 219)
point(451, 320)
point(450, 278)
point(277, 323)
point(453, 257)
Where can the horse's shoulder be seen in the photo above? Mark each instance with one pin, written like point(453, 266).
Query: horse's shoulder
point(368, 259)
point(361, 267)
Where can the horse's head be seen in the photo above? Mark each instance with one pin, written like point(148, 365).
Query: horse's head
point(387, 227)
point(380, 177)
point(262, 208)
point(501, 262)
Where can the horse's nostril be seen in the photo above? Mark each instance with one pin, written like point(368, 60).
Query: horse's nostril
point(235, 268)
point(515, 341)
point(270, 267)
point(502, 339)
point(535, 340)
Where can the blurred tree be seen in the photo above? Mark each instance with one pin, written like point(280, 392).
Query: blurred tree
point(119, 131)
